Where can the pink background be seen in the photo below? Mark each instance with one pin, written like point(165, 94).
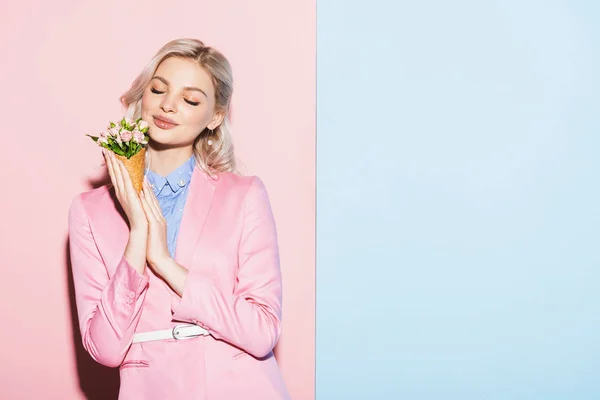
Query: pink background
point(63, 66)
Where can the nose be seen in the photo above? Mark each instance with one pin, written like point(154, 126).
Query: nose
point(168, 104)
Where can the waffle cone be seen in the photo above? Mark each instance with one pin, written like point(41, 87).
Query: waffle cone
point(135, 167)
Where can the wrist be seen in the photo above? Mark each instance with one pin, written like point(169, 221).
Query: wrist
point(161, 265)
point(138, 231)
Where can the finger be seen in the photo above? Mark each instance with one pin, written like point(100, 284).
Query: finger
point(153, 215)
point(109, 166)
point(153, 200)
point(149, 214)
point(127, 183)
point(110, 158)
point(146, 196)
point(118, 174)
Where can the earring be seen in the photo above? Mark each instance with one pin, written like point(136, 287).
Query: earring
point(210, 142)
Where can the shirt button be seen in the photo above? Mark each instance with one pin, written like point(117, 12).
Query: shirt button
point(131, 294)
point(128, 307)
point(181, 183)
point(129, 301)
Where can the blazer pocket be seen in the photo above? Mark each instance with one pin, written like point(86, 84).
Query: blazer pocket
point(239, 355)
point(134, 364)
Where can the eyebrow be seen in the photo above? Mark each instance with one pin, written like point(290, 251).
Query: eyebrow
point(166, 82)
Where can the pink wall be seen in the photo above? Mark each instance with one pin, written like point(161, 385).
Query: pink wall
point(63, 66)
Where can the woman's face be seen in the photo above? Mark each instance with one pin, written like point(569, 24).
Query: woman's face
point(178, 103)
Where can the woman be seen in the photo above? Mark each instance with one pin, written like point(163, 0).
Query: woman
point(179, 286)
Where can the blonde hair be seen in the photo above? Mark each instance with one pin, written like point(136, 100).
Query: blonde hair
point(218, 156)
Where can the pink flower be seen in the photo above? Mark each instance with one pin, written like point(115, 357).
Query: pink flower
point(102, 140)
point(113, 132)
point(126, 136)
point(139, 137)
point(142, 125)
point(105, 134)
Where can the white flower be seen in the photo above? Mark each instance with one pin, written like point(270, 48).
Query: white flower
point(138, 137)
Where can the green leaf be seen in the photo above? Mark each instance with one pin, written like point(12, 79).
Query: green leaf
point(112, 125)
point(94, 138)
point(118, 151)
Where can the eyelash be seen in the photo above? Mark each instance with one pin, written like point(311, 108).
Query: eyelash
point(192, 103)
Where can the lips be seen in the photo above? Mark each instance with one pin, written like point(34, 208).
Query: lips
point(164, 123)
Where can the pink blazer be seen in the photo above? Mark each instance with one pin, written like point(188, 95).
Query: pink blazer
point(228, 243)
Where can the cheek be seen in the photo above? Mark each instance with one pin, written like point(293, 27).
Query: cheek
point(198, 118)
point(148, 102)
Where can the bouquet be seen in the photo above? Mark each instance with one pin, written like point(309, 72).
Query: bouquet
point(128, 140)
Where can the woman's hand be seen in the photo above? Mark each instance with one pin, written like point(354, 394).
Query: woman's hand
point(125, 192)
point(157, 251)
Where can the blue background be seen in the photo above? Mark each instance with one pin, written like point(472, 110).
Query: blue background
point(458, 200)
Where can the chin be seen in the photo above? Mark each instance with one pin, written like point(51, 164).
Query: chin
point(160, 137)
point(162, 141)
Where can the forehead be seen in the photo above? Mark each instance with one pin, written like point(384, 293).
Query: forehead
point(182, 72)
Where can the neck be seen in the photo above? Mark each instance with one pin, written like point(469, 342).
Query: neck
point(163, 161)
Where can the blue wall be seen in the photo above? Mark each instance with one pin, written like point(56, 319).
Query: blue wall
point(458, 223)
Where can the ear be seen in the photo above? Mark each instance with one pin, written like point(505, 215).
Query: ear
point(217, 120)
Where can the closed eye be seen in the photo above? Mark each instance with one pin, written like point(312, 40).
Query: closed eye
point(193, 103)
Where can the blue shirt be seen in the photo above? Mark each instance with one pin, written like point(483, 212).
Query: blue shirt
point(171, 191)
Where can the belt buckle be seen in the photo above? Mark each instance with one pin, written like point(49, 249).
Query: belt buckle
point(176, 332)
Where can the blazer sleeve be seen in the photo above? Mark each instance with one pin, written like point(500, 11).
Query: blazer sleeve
point(248, 317)
point(109, 308)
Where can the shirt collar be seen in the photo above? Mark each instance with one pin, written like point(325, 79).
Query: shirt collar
point(175, 181)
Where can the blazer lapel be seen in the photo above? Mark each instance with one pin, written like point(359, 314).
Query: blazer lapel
point(197, 206)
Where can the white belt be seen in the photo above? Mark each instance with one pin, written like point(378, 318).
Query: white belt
point(178, 332)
